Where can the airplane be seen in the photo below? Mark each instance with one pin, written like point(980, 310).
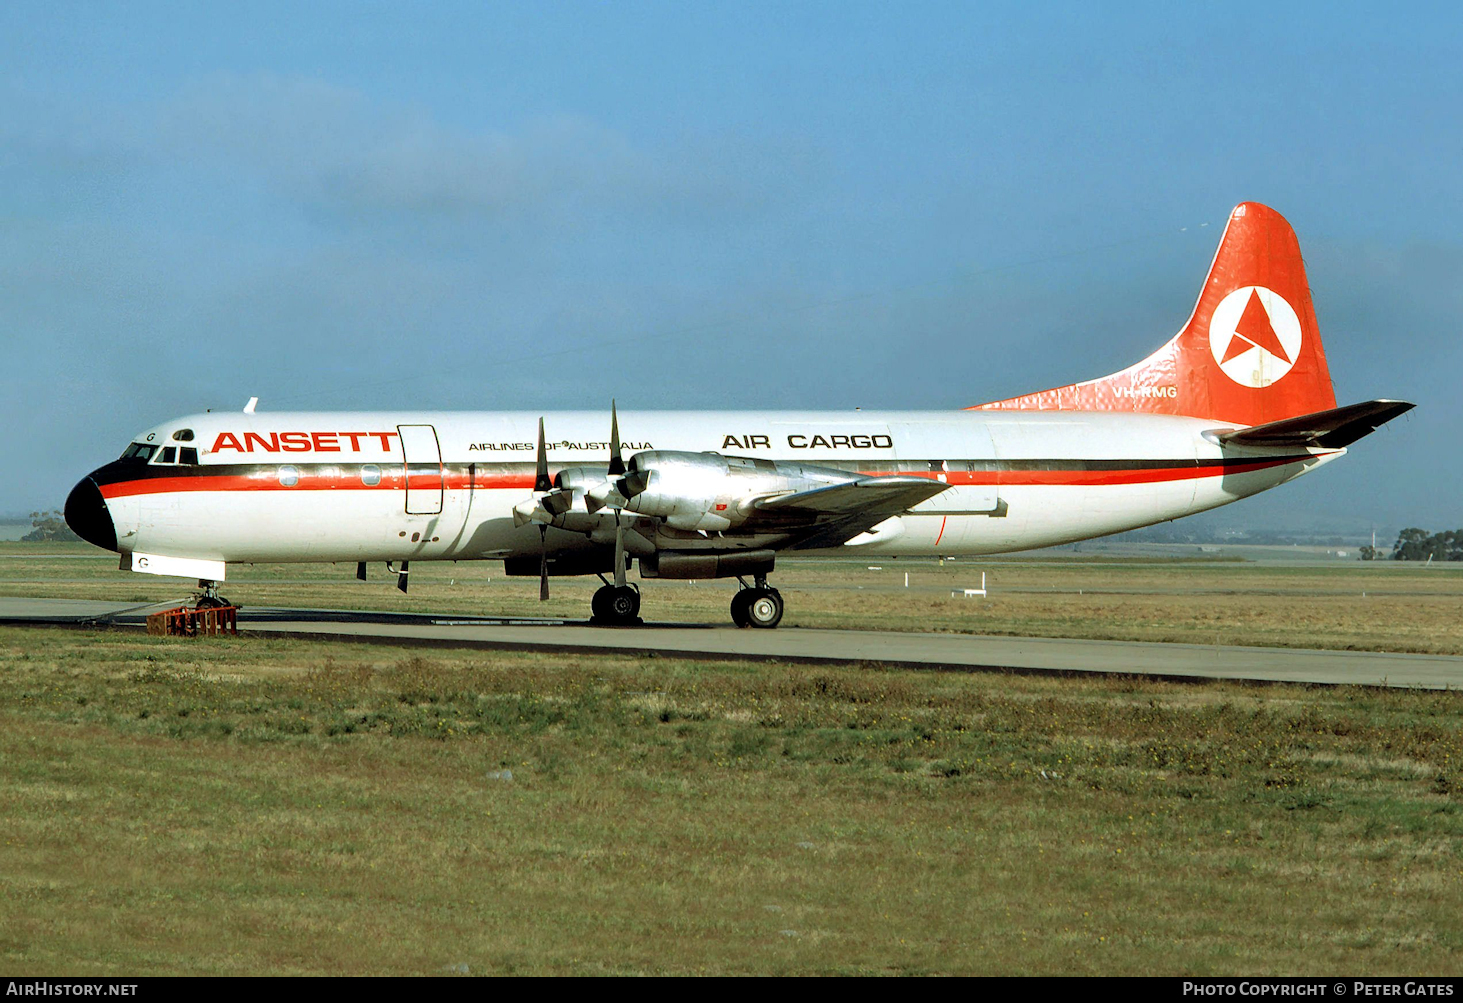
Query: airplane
point(1238, 402)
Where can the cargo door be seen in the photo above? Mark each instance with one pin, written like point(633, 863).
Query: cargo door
point(421, 458)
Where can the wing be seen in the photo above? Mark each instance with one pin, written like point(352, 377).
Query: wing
point(827, 516)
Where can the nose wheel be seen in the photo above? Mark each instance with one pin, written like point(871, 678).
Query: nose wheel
point(757, 606)
point(615, 606)
point(208, 597)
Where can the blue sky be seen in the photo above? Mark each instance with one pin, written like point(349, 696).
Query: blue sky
point(751, 205)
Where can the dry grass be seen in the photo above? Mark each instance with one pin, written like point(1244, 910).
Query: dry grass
point(292, 807)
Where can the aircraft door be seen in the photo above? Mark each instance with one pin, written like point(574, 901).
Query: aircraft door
point(421, 458)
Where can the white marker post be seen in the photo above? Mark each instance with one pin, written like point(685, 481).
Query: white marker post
point(968, 593)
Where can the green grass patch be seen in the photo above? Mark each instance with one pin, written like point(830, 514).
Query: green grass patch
point(290, 807)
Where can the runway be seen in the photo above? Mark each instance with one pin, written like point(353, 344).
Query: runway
point(949, 652)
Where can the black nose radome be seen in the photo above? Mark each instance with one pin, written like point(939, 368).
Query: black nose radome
point(87, 515)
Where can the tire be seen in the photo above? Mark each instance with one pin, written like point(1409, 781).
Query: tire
point(765, 609)
point(739, 605)
point(599, 606)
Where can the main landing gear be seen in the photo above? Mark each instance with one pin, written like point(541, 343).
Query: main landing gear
point(756, 605)
point(615, 605)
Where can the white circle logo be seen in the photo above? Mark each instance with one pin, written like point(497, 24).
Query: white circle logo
point(1255, 336)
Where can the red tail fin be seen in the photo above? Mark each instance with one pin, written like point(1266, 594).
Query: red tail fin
point(1250, 353)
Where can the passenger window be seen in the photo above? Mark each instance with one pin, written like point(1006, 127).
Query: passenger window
point(188, 454)
point(170, 454)
point(370, 475)
point(289, 476)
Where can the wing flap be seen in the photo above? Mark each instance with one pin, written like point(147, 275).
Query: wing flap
point(830, 516)
point(1333, 429)
point(883, 496)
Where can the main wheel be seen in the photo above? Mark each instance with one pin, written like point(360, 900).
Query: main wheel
point(615, 605)
point(765, 608)
point(623, 604)
point(739, 605)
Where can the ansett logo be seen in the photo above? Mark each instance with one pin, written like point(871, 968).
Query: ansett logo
point(303, 442)
point(1255, 336)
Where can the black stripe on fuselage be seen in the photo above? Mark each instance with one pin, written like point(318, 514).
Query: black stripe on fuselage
point(121, 471)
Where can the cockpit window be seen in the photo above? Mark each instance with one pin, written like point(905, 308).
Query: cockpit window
point(188, 454)
point(183, 435)
point(170, 455)
point(139, 451)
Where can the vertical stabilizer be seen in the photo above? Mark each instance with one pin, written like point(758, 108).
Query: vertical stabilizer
point(1250, 353)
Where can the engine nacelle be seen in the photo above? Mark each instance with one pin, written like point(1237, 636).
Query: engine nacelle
point(696, 564)
point(697, 491)
point(687, 491)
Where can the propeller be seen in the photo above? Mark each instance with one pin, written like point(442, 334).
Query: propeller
point(616, 469)
point(612, 492)
point(554, 497)
point(542, 485)
point(617, 462)
point(541, 482)
point(548, 501)
point(543, 563)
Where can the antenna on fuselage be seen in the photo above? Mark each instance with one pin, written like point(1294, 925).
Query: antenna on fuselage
point(249, 407)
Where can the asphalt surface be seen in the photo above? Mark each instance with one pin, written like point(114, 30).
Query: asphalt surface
point(958, 652)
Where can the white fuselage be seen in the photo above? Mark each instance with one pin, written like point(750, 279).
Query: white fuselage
point(376, 486)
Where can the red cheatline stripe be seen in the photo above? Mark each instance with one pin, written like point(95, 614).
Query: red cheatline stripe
point(392, 480)
point(269, 481)
point(1149, 476)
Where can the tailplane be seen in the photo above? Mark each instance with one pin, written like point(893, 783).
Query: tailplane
point(1250, 354)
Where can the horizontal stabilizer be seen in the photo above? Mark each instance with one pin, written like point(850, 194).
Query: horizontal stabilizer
point(883, 496)
point(1333, 429)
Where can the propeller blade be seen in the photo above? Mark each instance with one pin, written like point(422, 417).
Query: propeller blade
point(401, 575)
point(543, 564)
point(541, 480)
point(557, 502)
point(633, 483)
point(617, 462)
point(361, 570)
point(601, 495)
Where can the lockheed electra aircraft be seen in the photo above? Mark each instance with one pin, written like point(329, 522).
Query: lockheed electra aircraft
point(1238, 402)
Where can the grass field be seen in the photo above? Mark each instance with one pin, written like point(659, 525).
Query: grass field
point(255, 807)
point(1380, 606)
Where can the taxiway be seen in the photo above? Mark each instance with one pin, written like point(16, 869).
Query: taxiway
point(950, 652)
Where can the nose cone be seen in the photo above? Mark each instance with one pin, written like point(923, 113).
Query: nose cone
point(87, 515)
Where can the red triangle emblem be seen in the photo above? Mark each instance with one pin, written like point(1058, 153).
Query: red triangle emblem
point(1254, 330)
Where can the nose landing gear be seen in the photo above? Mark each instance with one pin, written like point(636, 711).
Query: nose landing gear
point(208, 597)
point(757, 605)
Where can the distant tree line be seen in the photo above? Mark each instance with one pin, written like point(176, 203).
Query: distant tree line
point(1415, 544)
point(50, 527)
